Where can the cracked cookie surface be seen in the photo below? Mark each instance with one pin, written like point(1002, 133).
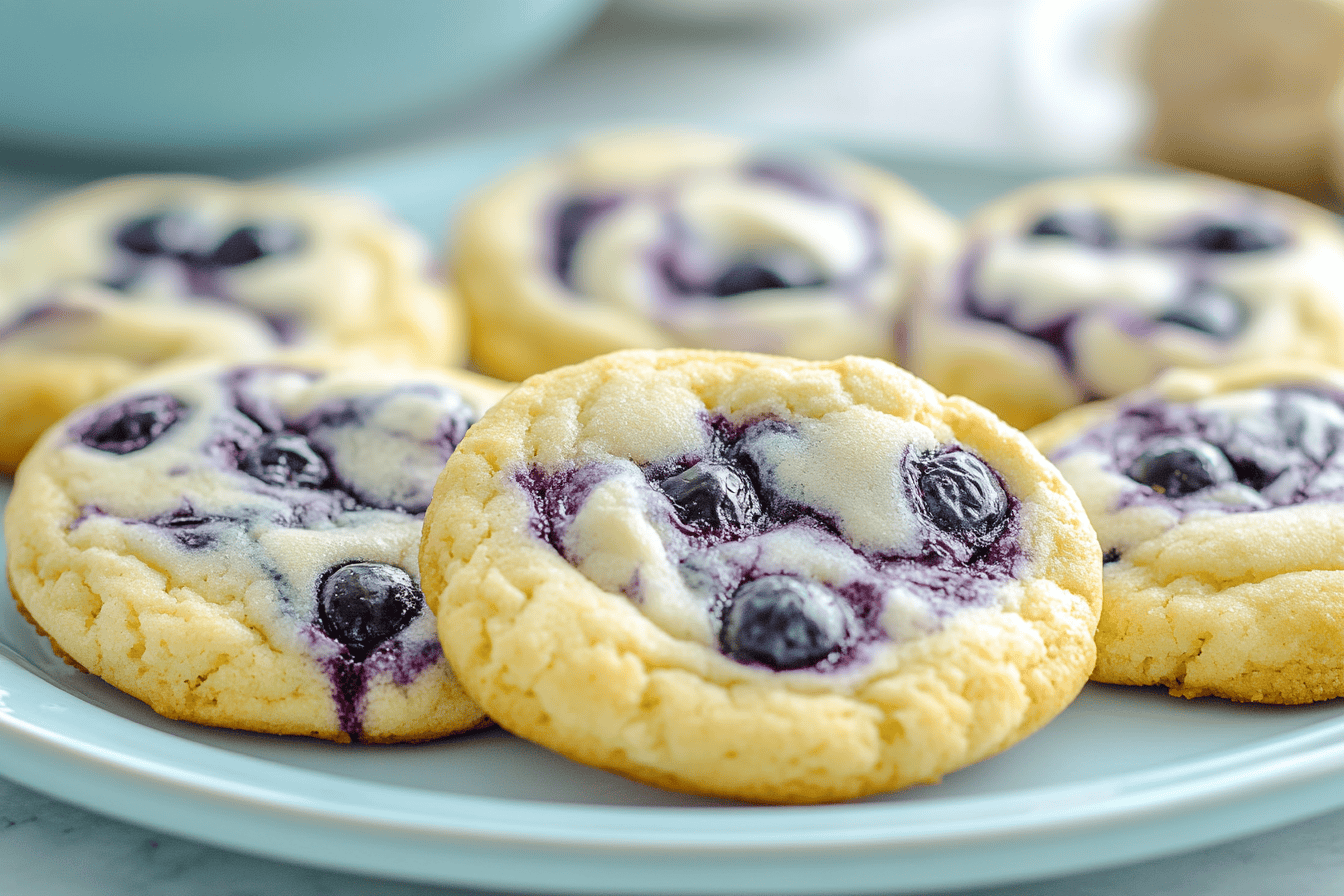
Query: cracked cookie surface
point(759, 577)
point(1216, 497)
point(237, 546)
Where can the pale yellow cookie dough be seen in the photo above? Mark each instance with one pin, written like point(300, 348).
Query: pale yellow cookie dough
point(1147, 276)
point(237, 546)
point(80, 315)
point(1229, 590)
point(851, 242)
point(578, 606)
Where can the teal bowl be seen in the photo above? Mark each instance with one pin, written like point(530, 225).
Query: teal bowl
point(168, 77)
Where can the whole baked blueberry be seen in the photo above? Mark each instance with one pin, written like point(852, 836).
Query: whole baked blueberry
point(362, 605)
point(963, 496)
point(711, 496)
point(132, 424)
point(784, 622)
point(1177, 466)
point(1090, 228)
point(285, 460)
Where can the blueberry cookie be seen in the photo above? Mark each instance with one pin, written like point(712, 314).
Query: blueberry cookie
point(1242, 88)
point(237, 546)
point(652, 239)
point(759, 577)
point(103, 284)
point(1217, 497)
point(1087, 288)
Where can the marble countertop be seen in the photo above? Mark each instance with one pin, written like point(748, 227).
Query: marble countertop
point(958, 89)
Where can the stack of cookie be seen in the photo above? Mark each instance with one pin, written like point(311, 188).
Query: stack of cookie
point(706, 544)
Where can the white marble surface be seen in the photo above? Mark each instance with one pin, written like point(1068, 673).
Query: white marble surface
point(941, 77)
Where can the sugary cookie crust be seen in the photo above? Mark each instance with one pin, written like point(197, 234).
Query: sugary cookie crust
point(206, 637)
point(525, 319)
point(555, 658)
point(358, 283)
point(1098, 310)
point(1241, 605)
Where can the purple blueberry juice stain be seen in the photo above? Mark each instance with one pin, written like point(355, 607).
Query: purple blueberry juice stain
point(724, 512)
point(1205, 458)
point(362, 609)
point(130, 425)
point(1190, 247)
point(687, 267)
point(175, 244)
point(569, 222)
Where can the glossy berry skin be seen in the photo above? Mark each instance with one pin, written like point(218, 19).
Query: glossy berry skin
point(132, 425)
point(1176, 467)
point(784, 622)
point(285, 460)
point(362, 605)
point(962, 496)
point(713, 497)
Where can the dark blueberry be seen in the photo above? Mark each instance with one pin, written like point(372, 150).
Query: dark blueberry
point(361, 605)
point(141, 236)
point(285, 460)
point(1180, 466)
point(133, 424)
point(1208, 310)
point(746, 276)
point(1232, 237)
point(1111, 556)
point(1087, 227)
point(250, 243)
point(962, 495)
point(784, 622)
point(713, 497)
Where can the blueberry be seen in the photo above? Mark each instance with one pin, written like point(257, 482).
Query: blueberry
point(1178, 466)
point(784, 622)
point(141, 236)
point(713, 496)
point(1208, 310)
point(133, 424)
point(285, 460)
point(250, 243)
point(362, 605)
point(1232, 237)
point(962, 495)
point(746, 276)
point(1112, 555)
point(1087, 227)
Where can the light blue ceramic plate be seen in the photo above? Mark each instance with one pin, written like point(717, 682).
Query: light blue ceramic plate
point(1121, 775)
